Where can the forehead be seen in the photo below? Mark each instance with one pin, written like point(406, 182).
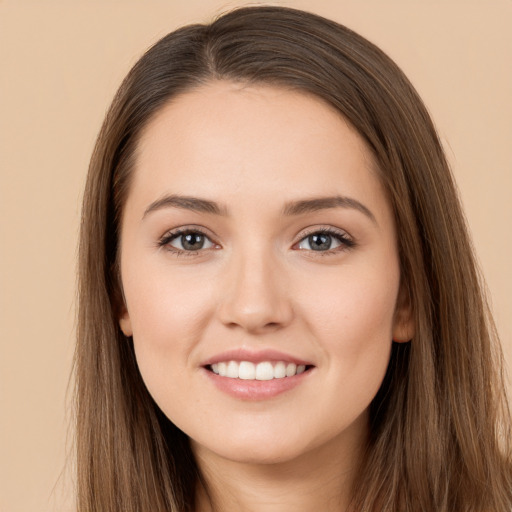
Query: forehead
point(225, 138)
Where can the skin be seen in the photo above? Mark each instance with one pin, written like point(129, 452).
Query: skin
point(258, 284)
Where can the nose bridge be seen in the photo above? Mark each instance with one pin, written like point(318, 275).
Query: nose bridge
point(256, 294)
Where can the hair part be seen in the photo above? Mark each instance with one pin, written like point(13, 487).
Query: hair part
point(440, 425)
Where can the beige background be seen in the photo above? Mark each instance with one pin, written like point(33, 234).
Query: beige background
point(60, 63)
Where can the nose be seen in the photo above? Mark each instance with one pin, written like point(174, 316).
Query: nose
point(255, 296)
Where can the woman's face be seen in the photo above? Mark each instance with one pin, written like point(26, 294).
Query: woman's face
point(260, 270)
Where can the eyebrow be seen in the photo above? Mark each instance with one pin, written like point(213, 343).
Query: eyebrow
point(325, 203)
point(186, 203)
point(292, 208)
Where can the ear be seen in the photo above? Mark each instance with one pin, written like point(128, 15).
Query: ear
point(125, 323)
point(119, 302)
point(403, 323)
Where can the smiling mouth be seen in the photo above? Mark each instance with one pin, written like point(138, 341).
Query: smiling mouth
point(265, 370)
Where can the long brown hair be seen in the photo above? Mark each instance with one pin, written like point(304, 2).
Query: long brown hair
point(440, 426)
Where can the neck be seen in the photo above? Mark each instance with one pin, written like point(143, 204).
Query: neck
point(320, 479)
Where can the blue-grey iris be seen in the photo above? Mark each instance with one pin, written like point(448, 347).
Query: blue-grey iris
point(319, 242)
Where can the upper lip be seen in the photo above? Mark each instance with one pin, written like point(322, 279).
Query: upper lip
point(255, 356)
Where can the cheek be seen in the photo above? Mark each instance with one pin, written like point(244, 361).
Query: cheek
point(167, 319)
point(352, 323)
point(352, 326)
point(168, 313)
point(353, 311)
point(164, 305)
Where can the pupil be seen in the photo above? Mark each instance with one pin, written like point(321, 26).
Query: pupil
point(192, 241)
point(320, 242)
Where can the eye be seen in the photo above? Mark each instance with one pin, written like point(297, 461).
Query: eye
point(325, 240)
point(183, 241)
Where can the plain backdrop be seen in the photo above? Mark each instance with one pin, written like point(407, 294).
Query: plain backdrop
point(60, 64)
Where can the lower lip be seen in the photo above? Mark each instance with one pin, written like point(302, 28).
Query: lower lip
point(256, 389)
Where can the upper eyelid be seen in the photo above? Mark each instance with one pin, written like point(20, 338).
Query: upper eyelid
point(303, 232)
point(187, 229)
point(343, 238)
point(171, 234)
point(165, 241)
point(342, 233)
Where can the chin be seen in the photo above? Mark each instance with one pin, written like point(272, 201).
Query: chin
point(262, 449)
point(260, 455)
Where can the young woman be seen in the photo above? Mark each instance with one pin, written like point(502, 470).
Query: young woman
point(279, 304)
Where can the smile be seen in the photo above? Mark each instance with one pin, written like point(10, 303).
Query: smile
point(265, 370)
point(252, 375)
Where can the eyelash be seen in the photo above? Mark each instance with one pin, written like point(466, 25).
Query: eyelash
point(173, 235)
point(342, 237)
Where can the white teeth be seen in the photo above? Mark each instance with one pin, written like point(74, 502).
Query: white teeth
point(279, 370)
point(222, 369)
point(246, 370)
point(232, 370)
point(265, 370)
point(291, 369)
